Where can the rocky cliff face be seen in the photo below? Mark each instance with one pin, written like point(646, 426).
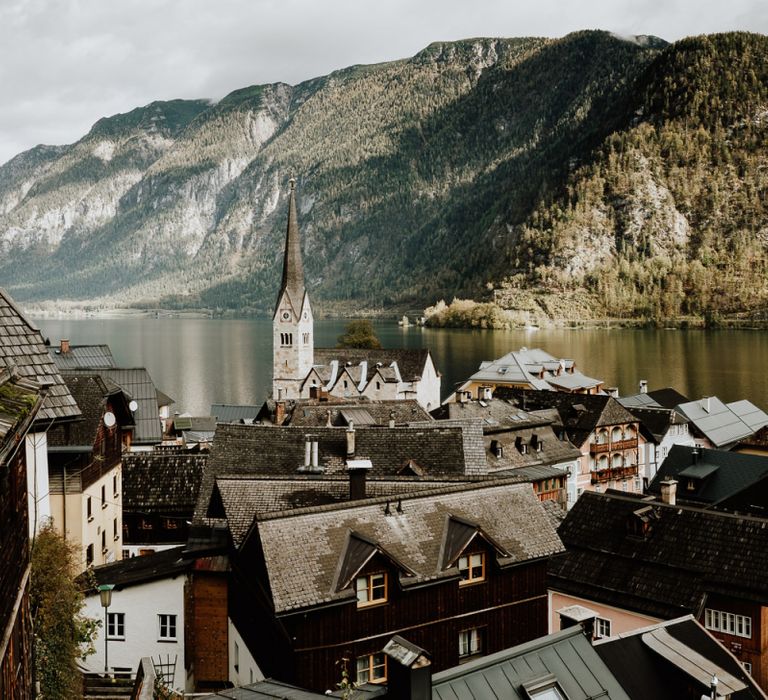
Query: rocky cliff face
point(471, 162)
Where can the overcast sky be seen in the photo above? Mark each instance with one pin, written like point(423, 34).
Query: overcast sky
point(66, 63)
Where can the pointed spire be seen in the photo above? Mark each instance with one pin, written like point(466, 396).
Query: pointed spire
point(293, 270)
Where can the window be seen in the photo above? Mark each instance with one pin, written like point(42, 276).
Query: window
point(470, 643)
point(115, 530)
point(371, 589)
point(115, 492)
point(747, 667)
point(89, 555)
point(103, 496)
point(371, 668)
point(167, 627)
point(116, 625)
point(103, 541)
point(89, 509)
point(126, 554)
point(237, 657)
point(171, 524)
point(729, 623)
point(286, 339)
point(145, 524)
point(472, 568)
point(305, 338)
point(602, 627)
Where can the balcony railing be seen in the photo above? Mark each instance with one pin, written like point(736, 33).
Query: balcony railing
point(626, 472)
point(629, 444)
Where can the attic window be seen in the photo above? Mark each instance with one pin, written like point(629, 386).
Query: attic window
point(472, 568)
point(640, 522)
point(521, 446)
point(371, 589)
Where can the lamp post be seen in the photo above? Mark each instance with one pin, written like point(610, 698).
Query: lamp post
point(105, 593)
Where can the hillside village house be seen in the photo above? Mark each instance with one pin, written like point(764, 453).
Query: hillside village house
point(23, 351)
point(20, 402)
point(607, 435)
point(461, 568)
point(300, 371)
point(634, 561)
point(85, 469)
point(533, 369)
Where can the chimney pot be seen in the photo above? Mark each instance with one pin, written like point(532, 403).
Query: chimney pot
point(351, 440)
point(64, 346)
point(643, 386)
point(669, 491)
point(391, 419)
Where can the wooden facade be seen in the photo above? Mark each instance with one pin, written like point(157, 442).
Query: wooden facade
point(307, 647)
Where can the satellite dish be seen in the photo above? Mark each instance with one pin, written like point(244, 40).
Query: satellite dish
point(133, 406)
point(109, 419)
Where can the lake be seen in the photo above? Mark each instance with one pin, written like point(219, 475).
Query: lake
point(203, 361)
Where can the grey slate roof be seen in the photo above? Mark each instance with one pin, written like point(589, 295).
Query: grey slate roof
point(302, 576)
point(22, 348)
point(258, 449)
point(162, 482)
point(567, 656)
point(687, 553)
point(724, 424)
point(635, 661)
point(83, 357)
point(137, 384)
point(727, 474)
point(312, 412)
point(136, 570)
point(234, 413)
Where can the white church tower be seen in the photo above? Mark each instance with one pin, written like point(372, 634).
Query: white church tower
point(292, 325)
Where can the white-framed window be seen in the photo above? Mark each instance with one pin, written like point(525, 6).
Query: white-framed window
point(115, 625)
point(371, 589)
point(472, 568)
point(470, 642)
point(747, 667)
point(602, 627)
point(371, 668)
point(167, 627)
point(729, 623)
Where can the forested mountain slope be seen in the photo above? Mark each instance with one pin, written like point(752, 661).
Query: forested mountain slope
point(628, 171)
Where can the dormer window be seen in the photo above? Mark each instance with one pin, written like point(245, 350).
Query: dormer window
point(521, 446)
point(472, 568)
point(371, 589)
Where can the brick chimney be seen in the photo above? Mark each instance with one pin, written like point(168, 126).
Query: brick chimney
point(358, 472)
point(669, 491)
point(279, 412)
point(63, 346)
point(410, 670)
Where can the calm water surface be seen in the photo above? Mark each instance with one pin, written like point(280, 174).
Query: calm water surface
point(203, 361)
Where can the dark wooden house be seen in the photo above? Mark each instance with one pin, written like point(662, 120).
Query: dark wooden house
point(460, 570)
point(19, 404)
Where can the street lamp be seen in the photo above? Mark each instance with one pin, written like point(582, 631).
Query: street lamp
point(105, 593)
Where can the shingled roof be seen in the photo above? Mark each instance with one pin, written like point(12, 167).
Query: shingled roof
point(162, 482)
point(579, 414)
point(83, 357)
point(23, 350)
point(302, 576)
point(667, 568)
point(259, 449)
point(309, 412)
point(18, 403)
point(410, 361)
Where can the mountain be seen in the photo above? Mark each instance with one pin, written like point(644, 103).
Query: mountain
point(626, 171)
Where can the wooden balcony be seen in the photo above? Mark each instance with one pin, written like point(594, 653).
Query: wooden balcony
point(618, 446)
point(602, 475)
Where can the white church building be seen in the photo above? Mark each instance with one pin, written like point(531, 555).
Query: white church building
point(301, 372)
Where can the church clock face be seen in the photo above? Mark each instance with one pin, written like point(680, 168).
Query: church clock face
point(286, 315)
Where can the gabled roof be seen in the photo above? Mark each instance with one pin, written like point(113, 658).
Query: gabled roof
point(566, 657)
point(579, 414)
point(137, 570)
point(302, 572)
point(662, 660)
point(724, 424)
point(717, 475)
point(162, 482)
point(656, 420)
point(668, 397)
point(280, 451)
point(137, 383)
point(685, 553)
point(23, 350)
point(308, 412)
point(410, 361)
point(83, 357)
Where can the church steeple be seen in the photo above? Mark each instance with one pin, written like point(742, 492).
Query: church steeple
point(292, 324)
point(293, 269)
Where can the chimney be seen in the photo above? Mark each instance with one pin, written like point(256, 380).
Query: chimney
point(462, 397)
point(307, 452)
point(328, 421)
point(313, 390)
point(63, 346)
point(706, 405)
point(487, 393)
point(351, 440)
point(279, 412)
point(409, 670)
point(578, 615)
point(695, 454)
point(357, 469)
point(668, 491)
point(614, 391)
point(391, 419)
point(643, 386)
